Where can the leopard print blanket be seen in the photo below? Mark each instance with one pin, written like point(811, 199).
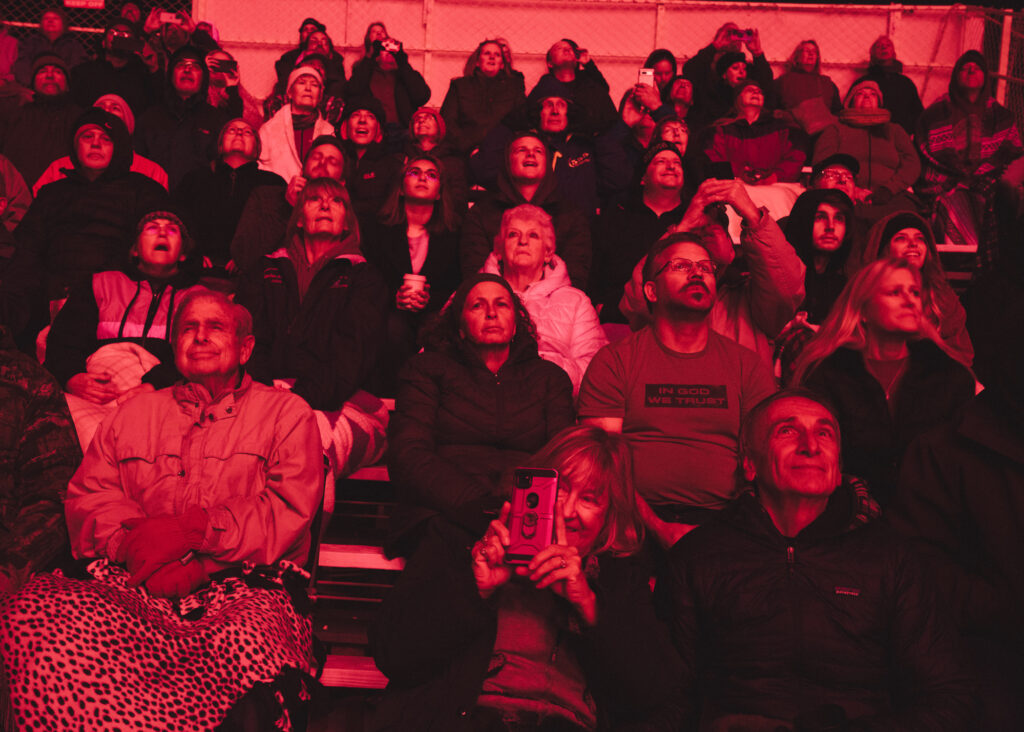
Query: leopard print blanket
point(97, 654)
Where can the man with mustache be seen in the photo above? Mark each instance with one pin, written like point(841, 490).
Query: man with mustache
point(678, 389)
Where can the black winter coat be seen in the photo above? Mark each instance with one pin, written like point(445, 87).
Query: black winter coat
point(623, 235)
point(180, 135)
point(457, 427)
point(39, 133)
point(213, 201)
point(434, 639)
point(475, 104)
point(841, 614)
point(961, 495)
point(329, 341)
point(369, 178)
point(874, 439)
point(77, 227)
point(572, 230)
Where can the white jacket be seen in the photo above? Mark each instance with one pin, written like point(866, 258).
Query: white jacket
point(278, 153)
point(568, 331)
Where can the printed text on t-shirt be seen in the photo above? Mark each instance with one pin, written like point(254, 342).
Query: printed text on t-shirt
point(698, 396)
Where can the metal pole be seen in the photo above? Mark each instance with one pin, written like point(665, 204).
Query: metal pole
point(1004, 56)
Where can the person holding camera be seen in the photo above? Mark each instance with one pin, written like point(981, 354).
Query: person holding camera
point(386, 75)
point(564, 641)
point(718, 68)
point(574, 74)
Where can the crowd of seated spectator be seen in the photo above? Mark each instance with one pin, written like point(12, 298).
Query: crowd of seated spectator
point(213, 294)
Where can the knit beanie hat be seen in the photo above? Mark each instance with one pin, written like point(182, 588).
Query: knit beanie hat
point(313, 21)
point(186, 239)
point(900, 222)
point(436, 114)
point(370, 104)
point(864, 84)
point(304, 71)
point(48, 58)
point(126, 111)
point(726, 60)
point(652, 152)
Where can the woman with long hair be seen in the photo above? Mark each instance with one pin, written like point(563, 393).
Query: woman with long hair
point(568, 641)
point(477, 401)
point(909, 236)
point(885, 368)
point(479, 99)
point(415, 245)
point(568, 331)
point(809, 98)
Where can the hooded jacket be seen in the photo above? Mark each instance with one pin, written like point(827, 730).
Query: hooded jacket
point(568, 331)
point(942, 306)
point(963, 143)
point(181, 134)
point(821, 288)
point(842, 614)
point(77, 226)
point(572, 231)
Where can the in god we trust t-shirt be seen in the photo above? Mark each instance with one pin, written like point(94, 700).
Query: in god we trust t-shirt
point(681, 413)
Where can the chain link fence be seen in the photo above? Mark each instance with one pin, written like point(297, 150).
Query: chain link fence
point(440, 34)
point(86, 24)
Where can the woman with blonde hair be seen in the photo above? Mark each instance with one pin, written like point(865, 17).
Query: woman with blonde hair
point(568, 641)
point(568, 330)
point(808, 98)
point(886, 370)
point(908, 236)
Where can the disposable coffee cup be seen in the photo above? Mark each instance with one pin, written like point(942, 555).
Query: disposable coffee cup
point(414, 282)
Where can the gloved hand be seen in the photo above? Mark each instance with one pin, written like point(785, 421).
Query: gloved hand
point(176, 580)
point(153, 542)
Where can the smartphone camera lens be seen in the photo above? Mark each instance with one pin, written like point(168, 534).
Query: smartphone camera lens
point(532, 500)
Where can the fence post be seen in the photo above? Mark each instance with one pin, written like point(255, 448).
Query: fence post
point(1004, 56)
point(428, 36)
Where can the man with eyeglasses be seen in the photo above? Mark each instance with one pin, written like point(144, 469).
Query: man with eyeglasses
point(678, 389)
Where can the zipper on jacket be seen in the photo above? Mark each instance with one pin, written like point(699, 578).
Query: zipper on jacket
point(790, 558)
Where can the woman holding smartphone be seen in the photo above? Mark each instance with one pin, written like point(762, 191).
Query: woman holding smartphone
point(567, 642)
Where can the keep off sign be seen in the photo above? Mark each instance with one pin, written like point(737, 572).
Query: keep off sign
point(89, 4)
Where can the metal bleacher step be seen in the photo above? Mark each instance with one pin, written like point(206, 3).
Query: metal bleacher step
point(352, 672)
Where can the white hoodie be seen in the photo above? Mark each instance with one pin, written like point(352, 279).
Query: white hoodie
point(568, 331)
